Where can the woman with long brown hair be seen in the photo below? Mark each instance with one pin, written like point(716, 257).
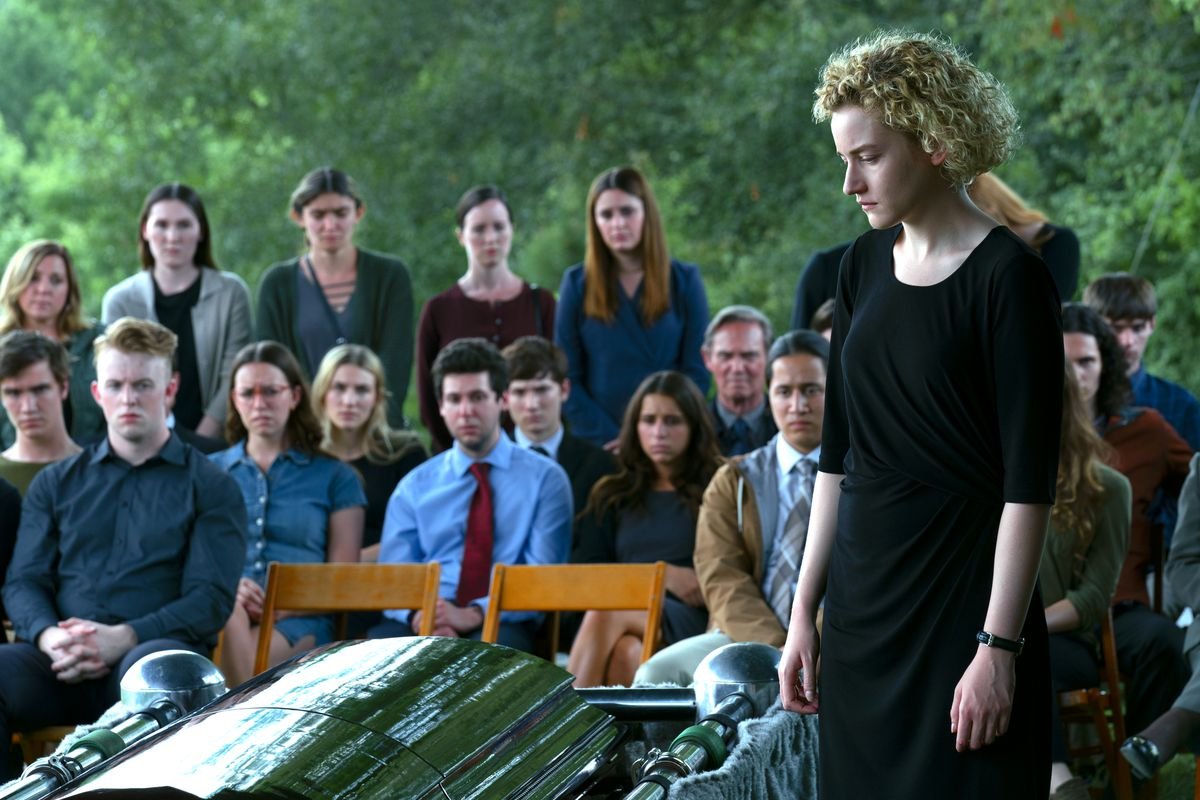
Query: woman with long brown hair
point(181, 287)
point(302, 506)
point(1085, 546)
point(647, 512)
point(628, 310)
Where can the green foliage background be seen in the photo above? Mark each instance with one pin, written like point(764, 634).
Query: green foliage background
point(102, 99)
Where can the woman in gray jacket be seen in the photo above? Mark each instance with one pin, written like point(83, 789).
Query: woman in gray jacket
point(181, 287)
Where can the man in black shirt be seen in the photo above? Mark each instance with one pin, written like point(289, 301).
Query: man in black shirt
point(134, 545)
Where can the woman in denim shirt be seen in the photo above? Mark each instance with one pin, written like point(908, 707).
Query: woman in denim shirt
point(302, 506)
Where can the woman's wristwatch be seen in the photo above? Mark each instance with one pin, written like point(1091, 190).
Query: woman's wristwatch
point(992, 640)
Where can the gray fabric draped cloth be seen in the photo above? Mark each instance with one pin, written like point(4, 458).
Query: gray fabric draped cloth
point(775, 757)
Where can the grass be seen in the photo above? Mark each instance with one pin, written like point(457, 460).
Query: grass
point(1177, 779)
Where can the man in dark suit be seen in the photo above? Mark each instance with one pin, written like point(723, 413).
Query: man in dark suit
point(735, 352)
point(537, 388)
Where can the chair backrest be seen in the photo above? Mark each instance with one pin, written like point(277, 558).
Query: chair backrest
point(578, 587)
point(1100, 706)
point(319, 588)
point(1110, 673)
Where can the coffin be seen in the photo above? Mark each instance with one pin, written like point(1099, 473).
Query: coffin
point(389, 718)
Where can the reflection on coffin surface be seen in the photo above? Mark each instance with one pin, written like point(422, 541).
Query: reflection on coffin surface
point(390, 718)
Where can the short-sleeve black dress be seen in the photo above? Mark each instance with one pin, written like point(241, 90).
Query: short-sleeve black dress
point(943, 403)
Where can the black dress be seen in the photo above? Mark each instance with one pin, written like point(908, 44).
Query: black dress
point(943, 404)
point(379, 481)
point(663, 530)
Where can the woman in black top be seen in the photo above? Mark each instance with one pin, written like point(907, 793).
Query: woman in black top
point(180, 287)
point(350, 400)
point(647, 512)
point(1057, 245)
point(939, 454)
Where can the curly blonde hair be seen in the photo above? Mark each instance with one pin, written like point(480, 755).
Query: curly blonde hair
point(922, 85)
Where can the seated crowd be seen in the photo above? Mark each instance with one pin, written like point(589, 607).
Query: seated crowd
point(156, 466)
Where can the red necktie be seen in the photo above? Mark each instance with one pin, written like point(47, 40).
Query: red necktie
point(476, 571)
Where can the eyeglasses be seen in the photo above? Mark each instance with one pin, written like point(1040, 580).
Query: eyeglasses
point(267, 393)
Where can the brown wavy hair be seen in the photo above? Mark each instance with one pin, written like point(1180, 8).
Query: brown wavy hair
point(1114, 392)
point(599, 265)
point(1079, 492)
point(635, 475)
point(303, 431)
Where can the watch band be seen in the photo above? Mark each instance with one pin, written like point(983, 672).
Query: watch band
point(992, 640)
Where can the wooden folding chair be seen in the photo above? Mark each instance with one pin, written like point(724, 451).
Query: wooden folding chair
point(578, 587)
point(42, 742)
point(1100, 707)
point(322, 588)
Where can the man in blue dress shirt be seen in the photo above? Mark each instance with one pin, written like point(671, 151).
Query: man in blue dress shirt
point(132, 546)
point(483, 486)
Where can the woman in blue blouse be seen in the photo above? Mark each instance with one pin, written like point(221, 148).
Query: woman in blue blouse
point(628, 310)
point(302, 506)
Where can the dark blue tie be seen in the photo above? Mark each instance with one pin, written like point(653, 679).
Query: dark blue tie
point(741, 438)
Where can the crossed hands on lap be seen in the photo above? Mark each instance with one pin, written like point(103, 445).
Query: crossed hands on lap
point(80, 649)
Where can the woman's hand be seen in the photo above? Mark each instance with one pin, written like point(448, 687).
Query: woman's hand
point(800, 665)
point(681, 582)
point(250, 596)
point(983, 698)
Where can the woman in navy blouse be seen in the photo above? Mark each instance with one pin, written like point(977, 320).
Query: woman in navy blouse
point(302, 506)
point(628, 310)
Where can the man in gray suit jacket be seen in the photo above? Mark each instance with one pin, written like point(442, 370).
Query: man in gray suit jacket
point(1179, 727)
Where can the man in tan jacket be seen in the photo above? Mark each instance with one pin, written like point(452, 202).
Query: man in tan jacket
point(754, 517)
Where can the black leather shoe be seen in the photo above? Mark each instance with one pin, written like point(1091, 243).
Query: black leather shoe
point(1142, 755)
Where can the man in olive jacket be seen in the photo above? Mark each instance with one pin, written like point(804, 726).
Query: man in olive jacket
point(754, 517)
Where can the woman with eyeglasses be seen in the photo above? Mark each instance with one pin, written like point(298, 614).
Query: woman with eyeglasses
point(302, 505)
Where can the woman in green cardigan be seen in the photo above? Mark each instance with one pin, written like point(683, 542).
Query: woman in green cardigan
point(336, 293)
point(1085, 547)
